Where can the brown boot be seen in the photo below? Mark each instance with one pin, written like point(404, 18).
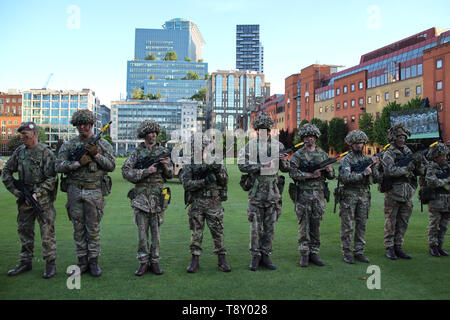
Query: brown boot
point(304, 260)
point(194, 266)
point(442, 252)
point(21, 268)
point(94, 268)
point(434, 251)
point(154, 267)
point(254, 265)
point(50, 269)
point(390, 254)
point(314, 258)
point(222, 263)
point(400, 253)
point(143, 268)
point(267, 262)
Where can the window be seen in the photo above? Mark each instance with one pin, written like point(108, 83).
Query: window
point(361, 85)
point(338, 91)
point(369, 100)
point(438, 85)
point(320, 109)
point(386, 96)
point(406, 92)
point(439, 64)
point(418, 90)
point(361, 101)
point(353, 118)
point(345, 104)
point(338, 106)
point(396, 94)
point(353, 103)
point(345, 89)
point(345, 120)
point(377, 98)
point(352, 87)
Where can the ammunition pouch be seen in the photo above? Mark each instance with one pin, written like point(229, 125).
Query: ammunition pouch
point(293, 191)
point(385, 185)
point(106, 185)
point(223, 194)
point(132, 194)
point(247, 182)
point(426, 194)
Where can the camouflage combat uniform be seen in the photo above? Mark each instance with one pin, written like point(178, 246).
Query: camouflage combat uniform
point(85, 199)
point(439, 208)
point(264, 197)
point(36, 170)
point(354, 204)
point(146, 199)
point(398, 202)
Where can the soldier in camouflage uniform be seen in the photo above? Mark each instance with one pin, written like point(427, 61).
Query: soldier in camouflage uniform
point(205, 188)
point(85, 202)
point(34, 162)
point(355, 196)
point(146, 197)
point(437, 178)
point(264, 197)
point(309, 193)
point(398, 201)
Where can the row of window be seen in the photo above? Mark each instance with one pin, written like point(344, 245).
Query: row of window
point(9, 122)
point(10, 109)
point(10, 100)
point(55, 97)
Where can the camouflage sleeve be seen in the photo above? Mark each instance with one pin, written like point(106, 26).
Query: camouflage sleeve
point(346, 175)
point(294, 172)
point(389, 167)
point(222, 176)
point(432, 180)
point(63, 164)
point(106, 159)
point(376, 176)
point(284, 164)
point(244, 164)
point(327, 174)
point(130, 173)
point(49, 183)
point(186, 178)
point(167, 169)
point(8, 171)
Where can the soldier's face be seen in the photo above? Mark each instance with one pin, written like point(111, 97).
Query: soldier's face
point(358, 147)
point(400, 141)
point(29, 137)
point(150, 138)
point(84, 129)
point(309, 140)
point(441, 159)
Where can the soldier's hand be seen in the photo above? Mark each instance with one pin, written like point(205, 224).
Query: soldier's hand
point(76, 165)
point(284, 156)
point(367, 171)
point(17, 193)
point(92, 148)
point(316, 174)
point(411, 166)
point(329, 168)
point(375, 160)
point(152, 168)
point(210, 178)
point(165, 160)
point(85, 160)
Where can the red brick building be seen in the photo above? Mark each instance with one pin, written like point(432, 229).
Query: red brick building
point(10, 117)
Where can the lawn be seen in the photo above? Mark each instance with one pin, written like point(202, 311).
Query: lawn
point(423, 277)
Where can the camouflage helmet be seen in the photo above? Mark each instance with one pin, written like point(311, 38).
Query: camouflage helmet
point(262, 121)
point(146, 127)
point(356, 136)
point(83, 116)
point(31, 126)
point(309, 129)
point(437, 150)
point(398, 129)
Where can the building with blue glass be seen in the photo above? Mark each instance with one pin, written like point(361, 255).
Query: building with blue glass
point(249, 50)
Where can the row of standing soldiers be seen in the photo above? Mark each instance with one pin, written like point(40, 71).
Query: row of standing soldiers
point(86, 182)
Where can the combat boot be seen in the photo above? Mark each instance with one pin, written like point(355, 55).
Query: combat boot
point(50, 269)
point(267, 262)
point(194, 266)
point(434, 251)
point(222, 263)
point(94, 268)
point(442, 252)
point(349, 259)
point(254, 265)
point(154, 267)
point(83, 264)
point(143, 268)
point(390, 254)
point(360, 257)
point(400, 253)
point(304, 260)
point(314, 258)
point(21, 268)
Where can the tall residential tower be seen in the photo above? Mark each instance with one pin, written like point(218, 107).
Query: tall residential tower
point(249, 50)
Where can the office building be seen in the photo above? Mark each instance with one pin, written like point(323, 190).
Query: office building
point(249, 50)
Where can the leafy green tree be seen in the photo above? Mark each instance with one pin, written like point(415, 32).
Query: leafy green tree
point(14, 142)
point(414, 103)
point(187, 59)
point(137, 94)
point(200, 95)
point(162, 137)
point(207, 75)
point(383, 123)
point(171, 56)
point(151, 77)
point(150, 57)
point(41, 135)
point(108, 138)
point(336, 134)
point(322, 142)
point(191, 75)
point(366, 124)
point(200, 60)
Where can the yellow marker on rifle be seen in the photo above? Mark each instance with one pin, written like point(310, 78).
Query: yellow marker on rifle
point(386, 146)
point(106, 127)
point(434, 144)
point(343, 154)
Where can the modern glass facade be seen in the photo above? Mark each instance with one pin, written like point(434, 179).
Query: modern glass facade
point(249, 50)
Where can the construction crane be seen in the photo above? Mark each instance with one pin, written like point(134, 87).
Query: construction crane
point(46, 83)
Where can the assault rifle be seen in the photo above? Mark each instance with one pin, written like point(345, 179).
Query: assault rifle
point(404, 160)
point(310, 167)
point(77, 153)
point(25, 195)
point(292, 150)
point(443, 174)
point(146, 162)
point(362, 165)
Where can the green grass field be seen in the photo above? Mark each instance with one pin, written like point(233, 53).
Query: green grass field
point(423, 277)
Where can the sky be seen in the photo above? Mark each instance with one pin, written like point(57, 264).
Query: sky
point(86, 44)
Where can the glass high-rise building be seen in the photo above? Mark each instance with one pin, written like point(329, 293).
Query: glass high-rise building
point(249, 49)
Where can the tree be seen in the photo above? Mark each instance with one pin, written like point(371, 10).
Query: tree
point(200, 95)
point(187, 59)
point(162, 137)
point(200, 60)
point(383, 123)
point(14, 142)
point(207, 75)
point(108, 138)
point(366, 125)
point(322, 142)
point(336, 134)
point(151, 77)
point(171, 56)
point(414, 103)
point(191, 75)
point(138, 94)
point(42, 137)
point(150, 57)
